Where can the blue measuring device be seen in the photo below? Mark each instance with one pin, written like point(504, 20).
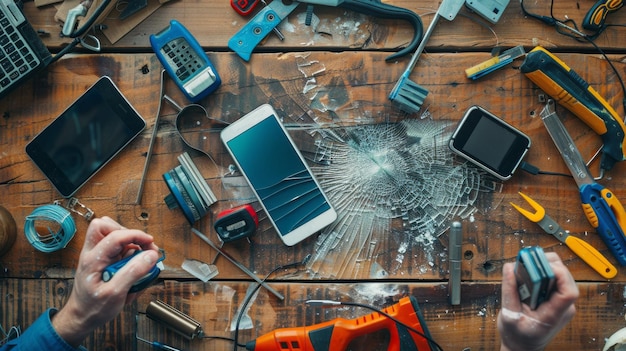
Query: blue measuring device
point(185, 61)
point(144, 281)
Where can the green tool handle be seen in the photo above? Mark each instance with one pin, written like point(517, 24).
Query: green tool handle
point(570, 90)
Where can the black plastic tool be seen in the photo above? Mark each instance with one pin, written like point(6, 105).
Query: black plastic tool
point(236, 223)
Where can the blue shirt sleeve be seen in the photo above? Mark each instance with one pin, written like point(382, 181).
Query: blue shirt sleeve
point(40, 336)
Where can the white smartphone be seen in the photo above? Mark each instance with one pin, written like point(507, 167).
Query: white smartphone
point(278, 174)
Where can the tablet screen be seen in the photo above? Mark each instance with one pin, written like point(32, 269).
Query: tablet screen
point(85, 136)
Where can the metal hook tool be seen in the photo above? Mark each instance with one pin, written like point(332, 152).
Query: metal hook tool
point(194, 125)
point(248, 37)
point(191, 124)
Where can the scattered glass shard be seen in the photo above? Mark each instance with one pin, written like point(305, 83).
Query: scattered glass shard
point(376, 175)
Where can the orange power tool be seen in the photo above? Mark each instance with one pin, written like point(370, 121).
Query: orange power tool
point(337, 334)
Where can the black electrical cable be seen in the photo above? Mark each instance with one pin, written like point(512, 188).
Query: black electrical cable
point(81, 30)
point(91, 21)
point(225, 338)
point(245, 303)
point(529, 168)
point(430, 340)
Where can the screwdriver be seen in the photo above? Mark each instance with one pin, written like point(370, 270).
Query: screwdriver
point(158, 345)
point(603, 209)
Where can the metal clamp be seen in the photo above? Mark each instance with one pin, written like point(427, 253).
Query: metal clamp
point(72, 203)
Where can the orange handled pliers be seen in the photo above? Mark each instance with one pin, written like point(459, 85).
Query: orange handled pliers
point(584, 250)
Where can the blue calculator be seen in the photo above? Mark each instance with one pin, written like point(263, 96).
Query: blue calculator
point(185, 61)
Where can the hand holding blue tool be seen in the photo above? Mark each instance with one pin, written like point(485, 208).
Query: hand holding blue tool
point(584, 250)
point(600, 205)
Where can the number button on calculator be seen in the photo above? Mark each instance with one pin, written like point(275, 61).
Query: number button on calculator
point(181, 56)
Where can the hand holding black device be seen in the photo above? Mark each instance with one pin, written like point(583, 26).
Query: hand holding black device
point(535, 278)
point(87, 135)
point(489, 142)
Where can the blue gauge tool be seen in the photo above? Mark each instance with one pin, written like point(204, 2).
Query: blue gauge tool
point(142, 283)
point(185, 61)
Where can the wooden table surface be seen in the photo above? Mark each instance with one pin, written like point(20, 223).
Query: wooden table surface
point(351, 82)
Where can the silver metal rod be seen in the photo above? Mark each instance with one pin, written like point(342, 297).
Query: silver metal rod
point(155, 130)
point(422, 45)
point(239, 265)
point(454, 283)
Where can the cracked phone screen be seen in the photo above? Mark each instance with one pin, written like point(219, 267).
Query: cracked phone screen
point(283, 184)
point(378, 175)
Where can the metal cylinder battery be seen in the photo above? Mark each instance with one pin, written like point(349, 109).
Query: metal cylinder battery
point(174, 319)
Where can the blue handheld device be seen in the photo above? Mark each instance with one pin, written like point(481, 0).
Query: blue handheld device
point(142, 283)
point(185, 61)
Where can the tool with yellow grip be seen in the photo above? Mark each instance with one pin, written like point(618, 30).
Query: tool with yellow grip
point(337, 334)
point(602, 207)
point(567, 88)
point(581, 248)
point(595, 17)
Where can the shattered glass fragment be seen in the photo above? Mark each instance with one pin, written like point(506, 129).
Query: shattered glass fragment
point(381, 173)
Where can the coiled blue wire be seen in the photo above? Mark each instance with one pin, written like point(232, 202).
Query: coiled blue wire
point(56, 239)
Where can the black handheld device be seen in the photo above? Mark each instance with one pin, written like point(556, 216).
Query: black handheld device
point(535, 278)
point(87, 135)
point(489, 142)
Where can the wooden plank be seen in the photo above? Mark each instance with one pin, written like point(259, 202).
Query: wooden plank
point(214, 23)
point(493, 234)
point(214, 305)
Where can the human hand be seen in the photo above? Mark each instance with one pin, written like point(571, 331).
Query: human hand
point(94, 302)
point(524, 329)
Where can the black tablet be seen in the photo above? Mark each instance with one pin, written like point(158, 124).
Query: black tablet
point(87, 135)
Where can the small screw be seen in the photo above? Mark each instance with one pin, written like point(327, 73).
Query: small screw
point(276, 31)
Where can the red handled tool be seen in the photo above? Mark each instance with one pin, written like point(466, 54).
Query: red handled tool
point(337, 334)
point(244, 7)
point(236, 223)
